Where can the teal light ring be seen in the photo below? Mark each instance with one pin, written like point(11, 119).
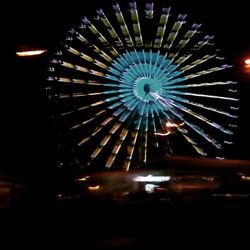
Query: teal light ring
point(139, 74)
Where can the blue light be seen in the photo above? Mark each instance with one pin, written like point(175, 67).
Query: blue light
point(138, 74)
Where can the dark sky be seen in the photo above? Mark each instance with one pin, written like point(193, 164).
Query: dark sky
point(43, 26)
point(43, 23)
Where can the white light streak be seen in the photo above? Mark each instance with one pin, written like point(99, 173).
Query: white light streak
point(31, 52)
point(151, 178)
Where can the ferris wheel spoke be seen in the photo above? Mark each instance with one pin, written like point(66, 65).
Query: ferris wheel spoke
point(122, 136)
point(203, 95)
point(205, 41)
point(123, 119)
point(116, 148)
point(67, 80)
point(86, 57)
point(187, 37)
point(183, 100)
point(201, 84)
point(194, 144)
point(105, 140)
point(88, 120)
point(207, 71)
point(132, 144)
point(110, 28)
point(78, 68)
point(190, 124)
point(161, 28)
point(183, 58)
point(184, 132)
point(141, 84)
point(123, 25)
point(202, 118)
point(191, 112)
point(91, 47)
point(136, 24)
point(199, 131)
point(175, 30)
point(96, 130)
point(100, 37)
point(197, 62)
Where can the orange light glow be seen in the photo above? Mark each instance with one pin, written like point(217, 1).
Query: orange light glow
point(247, 65)
point(247, 61)
point(30, 52)
point(245, 178)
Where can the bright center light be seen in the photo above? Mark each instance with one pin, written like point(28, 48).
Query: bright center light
point(173, 125)
point(149, 188)
point(247, 61)
point(151, 178)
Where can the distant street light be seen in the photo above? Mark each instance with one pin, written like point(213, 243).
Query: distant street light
point(247, 61)
point(247, 65)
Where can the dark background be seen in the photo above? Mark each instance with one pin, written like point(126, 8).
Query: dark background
point(27, 132)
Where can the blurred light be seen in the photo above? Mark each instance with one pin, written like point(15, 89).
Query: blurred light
point(60, 164)
point(173, 125)
point(245, 178)
point(31, 52)
point(83, 178)
point(247, 61)
point(232, 195)
point(150, 188)
point(219, 158)
point(151, 178)
point(247, 65)
point(163, 134)
point(92, 188)
point(208, 178)
point(59, 196)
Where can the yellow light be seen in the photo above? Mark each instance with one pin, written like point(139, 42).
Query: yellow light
point(83, 178)
point(92, 188)
point(31, 52)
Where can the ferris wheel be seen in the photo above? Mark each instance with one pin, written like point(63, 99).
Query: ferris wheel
point(138, 81)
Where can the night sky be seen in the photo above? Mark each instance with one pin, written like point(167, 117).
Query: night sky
point(28, 136)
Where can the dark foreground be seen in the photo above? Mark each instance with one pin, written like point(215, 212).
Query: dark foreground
point(203, 205)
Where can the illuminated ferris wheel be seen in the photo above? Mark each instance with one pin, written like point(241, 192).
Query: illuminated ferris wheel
point(136, 83)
